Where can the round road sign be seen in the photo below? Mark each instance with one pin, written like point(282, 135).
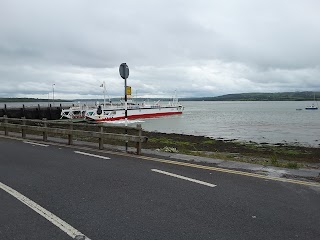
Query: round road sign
point(124, 70)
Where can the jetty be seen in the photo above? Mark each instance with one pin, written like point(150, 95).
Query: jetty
point(49, 112)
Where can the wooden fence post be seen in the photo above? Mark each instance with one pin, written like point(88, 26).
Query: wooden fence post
point(38, 110)
point(23, 110)
point(23, 129)
point(70, 135)
point(139, 144)
point(101, 138)
point(50, 114)
point(5, 121)
point(45, 133)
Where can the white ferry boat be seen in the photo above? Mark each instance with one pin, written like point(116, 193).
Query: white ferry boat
point(134, 111)
point(75, 112)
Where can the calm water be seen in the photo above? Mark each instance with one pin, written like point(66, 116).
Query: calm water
point(270, 122)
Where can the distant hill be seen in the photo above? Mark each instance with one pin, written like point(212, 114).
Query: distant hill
point(281, 96)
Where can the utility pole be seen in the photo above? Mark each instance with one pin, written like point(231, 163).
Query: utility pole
point(104, 94)
point(53, 94)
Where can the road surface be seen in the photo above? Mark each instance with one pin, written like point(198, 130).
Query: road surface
point(58, 192)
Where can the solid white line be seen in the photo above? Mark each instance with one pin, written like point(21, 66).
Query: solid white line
point(184, 178)
point(91, 155)
point(68, 229)
point(38, 144)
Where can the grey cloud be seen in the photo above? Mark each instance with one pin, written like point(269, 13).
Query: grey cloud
point(200, 48)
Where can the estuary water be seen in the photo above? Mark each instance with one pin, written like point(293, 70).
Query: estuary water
point(261, 122)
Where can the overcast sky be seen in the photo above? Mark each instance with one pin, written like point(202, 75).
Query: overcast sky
point(198, 48)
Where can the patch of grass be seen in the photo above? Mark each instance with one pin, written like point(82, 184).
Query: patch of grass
point(208, 141)
point(184, 144)
point(293, 165)
point(165, 141)
point(274, 161)
point(284, 164)
point(287, 151)
point(172, 143)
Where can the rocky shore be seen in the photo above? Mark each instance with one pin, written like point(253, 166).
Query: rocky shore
point(280, 155)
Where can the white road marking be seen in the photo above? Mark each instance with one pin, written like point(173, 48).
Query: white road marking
point(68, 229)
point(38, 144)
point(184, 178)
point(91, 155)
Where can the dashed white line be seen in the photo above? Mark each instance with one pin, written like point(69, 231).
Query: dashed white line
point(68, 229)
point(38, 144)
point(184, 178)
point(91, 155)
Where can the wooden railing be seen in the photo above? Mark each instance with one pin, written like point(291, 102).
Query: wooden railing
point(45, 127)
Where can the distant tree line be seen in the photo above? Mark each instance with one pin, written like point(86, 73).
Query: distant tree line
point(281, 96)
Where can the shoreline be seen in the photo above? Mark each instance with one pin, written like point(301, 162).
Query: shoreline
point(279, 154)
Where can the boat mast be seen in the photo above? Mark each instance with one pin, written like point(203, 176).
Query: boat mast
point(175, 100)
point(136, 96)
point(104, 94)
point(176, 96)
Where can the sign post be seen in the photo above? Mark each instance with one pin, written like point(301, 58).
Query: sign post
point(124, 73)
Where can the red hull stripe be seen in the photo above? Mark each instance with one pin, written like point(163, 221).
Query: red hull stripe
point(148, 115)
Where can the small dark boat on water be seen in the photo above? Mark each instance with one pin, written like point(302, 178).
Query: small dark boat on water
point(313, 106)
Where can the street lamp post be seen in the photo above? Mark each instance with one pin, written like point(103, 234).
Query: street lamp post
point(104, 94)
point(53, 94)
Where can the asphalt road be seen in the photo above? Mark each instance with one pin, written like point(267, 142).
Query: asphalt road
point(126, 197)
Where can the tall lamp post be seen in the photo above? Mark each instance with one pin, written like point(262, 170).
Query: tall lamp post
point(53, 93)
point(104, 94)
